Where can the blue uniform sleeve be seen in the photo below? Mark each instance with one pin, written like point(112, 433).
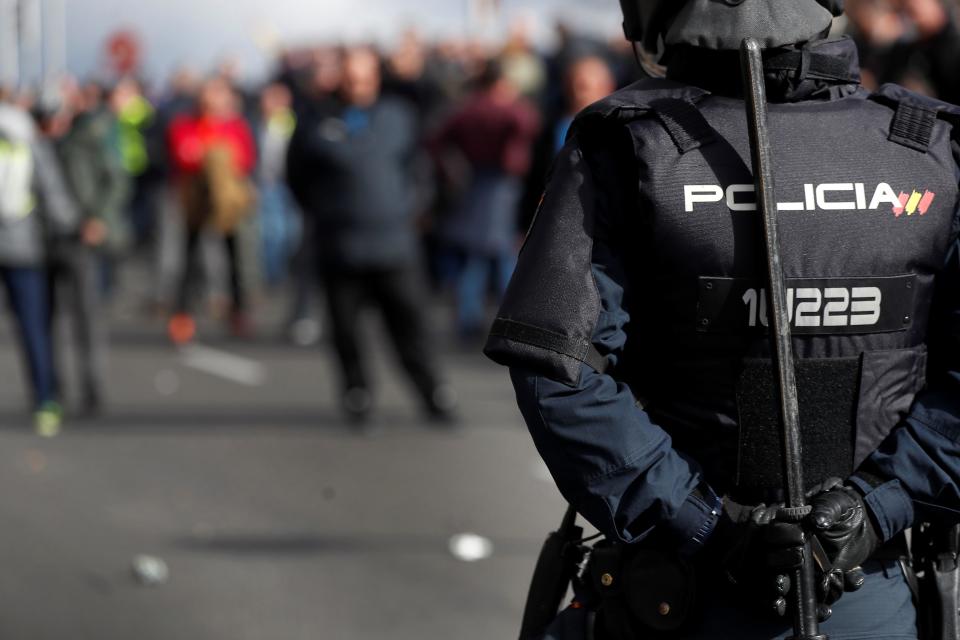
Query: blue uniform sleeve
point(608, 458)
point(611, 462)
point(916, 470)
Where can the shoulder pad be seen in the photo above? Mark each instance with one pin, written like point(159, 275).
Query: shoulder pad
point(915, 115)
point(895, 94)
point(672, 102)
point(627, 103)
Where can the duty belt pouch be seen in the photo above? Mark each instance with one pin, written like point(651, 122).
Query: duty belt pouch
point(936, 556)
point(644, 592)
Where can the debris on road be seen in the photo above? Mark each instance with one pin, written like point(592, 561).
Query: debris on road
point(470, 547)
point(150, 571)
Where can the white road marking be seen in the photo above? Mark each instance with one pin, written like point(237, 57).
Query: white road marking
point(469, 547)
point(225, 365)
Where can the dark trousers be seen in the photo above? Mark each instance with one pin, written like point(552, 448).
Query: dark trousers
point(29, 300)
point(399, 294)
point(75, 289)
point(192, 272)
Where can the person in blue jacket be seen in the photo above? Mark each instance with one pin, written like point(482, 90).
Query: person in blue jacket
point(635, 329)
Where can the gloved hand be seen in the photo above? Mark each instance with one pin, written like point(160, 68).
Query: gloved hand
point(840, 521)
point(762, 553)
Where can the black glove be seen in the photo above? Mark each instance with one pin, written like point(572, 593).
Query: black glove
point(761, 553)
point(840, 521)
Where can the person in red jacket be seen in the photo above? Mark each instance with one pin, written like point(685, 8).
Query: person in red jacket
point(212, 154)
point(484, 151)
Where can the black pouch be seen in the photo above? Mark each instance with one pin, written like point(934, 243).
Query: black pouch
point(645, 592)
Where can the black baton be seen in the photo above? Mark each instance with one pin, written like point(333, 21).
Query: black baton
point(804, 600)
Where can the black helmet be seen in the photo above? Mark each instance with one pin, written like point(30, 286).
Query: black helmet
point(722, 24)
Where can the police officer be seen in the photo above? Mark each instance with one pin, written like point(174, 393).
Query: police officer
point(635, 329)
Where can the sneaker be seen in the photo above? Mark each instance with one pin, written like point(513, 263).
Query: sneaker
point(181, 328)
point(48, 419)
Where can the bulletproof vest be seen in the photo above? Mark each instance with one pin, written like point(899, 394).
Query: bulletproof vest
point(867, 193)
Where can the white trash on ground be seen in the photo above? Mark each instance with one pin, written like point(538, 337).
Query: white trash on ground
point(150, 571)
point(470, 547)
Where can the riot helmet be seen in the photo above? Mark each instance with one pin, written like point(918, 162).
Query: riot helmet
point(722, 24)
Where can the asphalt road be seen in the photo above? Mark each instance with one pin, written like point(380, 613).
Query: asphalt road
point(276, 520)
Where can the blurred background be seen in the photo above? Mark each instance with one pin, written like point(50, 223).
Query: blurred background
point(250, 251)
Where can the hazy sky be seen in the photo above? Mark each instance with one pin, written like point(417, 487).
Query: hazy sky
point(199, 32)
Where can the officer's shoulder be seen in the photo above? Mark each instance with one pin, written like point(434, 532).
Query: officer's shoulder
point(893, 95)
point(635, 100)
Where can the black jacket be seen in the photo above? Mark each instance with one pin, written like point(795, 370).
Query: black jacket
point(350, 171)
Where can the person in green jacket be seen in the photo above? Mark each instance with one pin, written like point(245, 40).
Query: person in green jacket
point(92, 160)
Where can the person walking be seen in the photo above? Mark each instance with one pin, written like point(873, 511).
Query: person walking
point(100, 187)
point(213, 154)
point(35, 210)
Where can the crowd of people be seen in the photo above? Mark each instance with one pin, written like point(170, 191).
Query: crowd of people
point(359, 175)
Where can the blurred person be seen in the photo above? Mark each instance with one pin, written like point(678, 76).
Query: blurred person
point(97, 186)
point(230, 69)
point(212, 155)
point(410, 75)
point(484, 151)
point(293, 70)
point(586, 80)
point(350, 169)
point(317, 102)
point(279, 223)
point(135, 115)
point(93, 163)
point(448, 67)
point(91, 155)
point(178, 100)
point(911, 42)
point(35, 210)
point(521, 64)
point(416, 78)
point(572, 46)
point(328, 69)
